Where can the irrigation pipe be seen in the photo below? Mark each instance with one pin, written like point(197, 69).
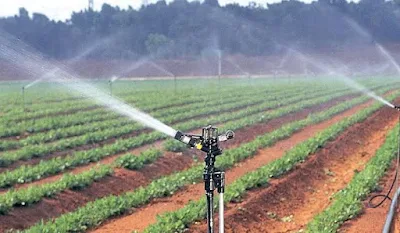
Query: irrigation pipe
point(390, 216)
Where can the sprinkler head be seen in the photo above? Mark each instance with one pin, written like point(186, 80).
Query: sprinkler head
point(397, 107)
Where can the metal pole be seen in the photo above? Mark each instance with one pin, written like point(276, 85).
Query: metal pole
point(175, 84)
point(210, 211)
point(208, 177)
point(221, 213)
point(392, 211)
point(219, 67)
point(111, 88)
point(23, 98)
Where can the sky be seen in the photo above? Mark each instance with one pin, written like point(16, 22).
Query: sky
point(61, 10)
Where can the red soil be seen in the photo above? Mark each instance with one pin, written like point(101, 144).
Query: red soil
point(254, 131)
point(66, 152)
point(119, 182)
point(146, 215)
point(290, 202)
point(373, 219)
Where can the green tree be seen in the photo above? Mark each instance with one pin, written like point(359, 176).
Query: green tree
point(158, 45)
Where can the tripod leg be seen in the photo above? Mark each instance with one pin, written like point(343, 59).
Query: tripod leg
point(221, 213)
point(210, 212)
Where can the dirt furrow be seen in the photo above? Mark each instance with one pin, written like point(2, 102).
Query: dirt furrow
point(289, 203)
point(111, 140)
point(254, 131)
point(372, 220)
point(123, 180)
point(146, 215)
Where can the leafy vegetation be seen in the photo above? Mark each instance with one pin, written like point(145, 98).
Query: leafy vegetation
point(174, 146)
point(32, 194)
point(25, 174)
point(347, 203)
point(134, 162)
point(180, 219)
point(97, 211)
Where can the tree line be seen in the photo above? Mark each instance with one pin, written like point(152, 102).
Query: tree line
point(188, 29)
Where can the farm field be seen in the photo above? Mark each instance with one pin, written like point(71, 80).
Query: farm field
point(308, 152)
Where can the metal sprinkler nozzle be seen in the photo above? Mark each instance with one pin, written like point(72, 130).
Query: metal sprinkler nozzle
point(397, 107)
point(208, 141)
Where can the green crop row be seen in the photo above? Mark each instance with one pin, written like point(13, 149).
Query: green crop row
point(134, 162)
point(160, 102)
point(76, 130)
point(174, 145)
point(127, 161)
point(347, 203)
point(68, 101)
point(97, 211)
point(25, 174)
point(33, 194)
point(41, 150)
point(157, 100)
point(54, 101)
point(29, 152)
point(75, 119)
point(8, 129)
point(178, 220)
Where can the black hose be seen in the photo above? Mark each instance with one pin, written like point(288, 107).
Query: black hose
point(385, 196)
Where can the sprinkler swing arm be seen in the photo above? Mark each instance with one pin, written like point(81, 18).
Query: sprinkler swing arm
point(213, 178)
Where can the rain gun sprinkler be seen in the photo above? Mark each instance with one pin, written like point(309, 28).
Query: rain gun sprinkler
point(213, 178)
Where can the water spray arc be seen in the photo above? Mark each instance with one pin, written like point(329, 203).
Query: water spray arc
point(247, 74)
point(214, 179)
point(365, 34)
point(138, 64)
point(25, 57)
point(158, 67)
point(76, 59)
point(110, 83)
point(345, 79)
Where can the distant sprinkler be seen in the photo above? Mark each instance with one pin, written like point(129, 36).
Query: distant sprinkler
point(23, 98)
point(248, 75)
point(219, 66)
point(175, 84)
point(110, 83)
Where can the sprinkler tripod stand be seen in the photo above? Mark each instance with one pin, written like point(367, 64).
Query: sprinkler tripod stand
point(213, 178)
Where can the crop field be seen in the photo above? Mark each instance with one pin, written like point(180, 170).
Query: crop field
point(307, 155)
